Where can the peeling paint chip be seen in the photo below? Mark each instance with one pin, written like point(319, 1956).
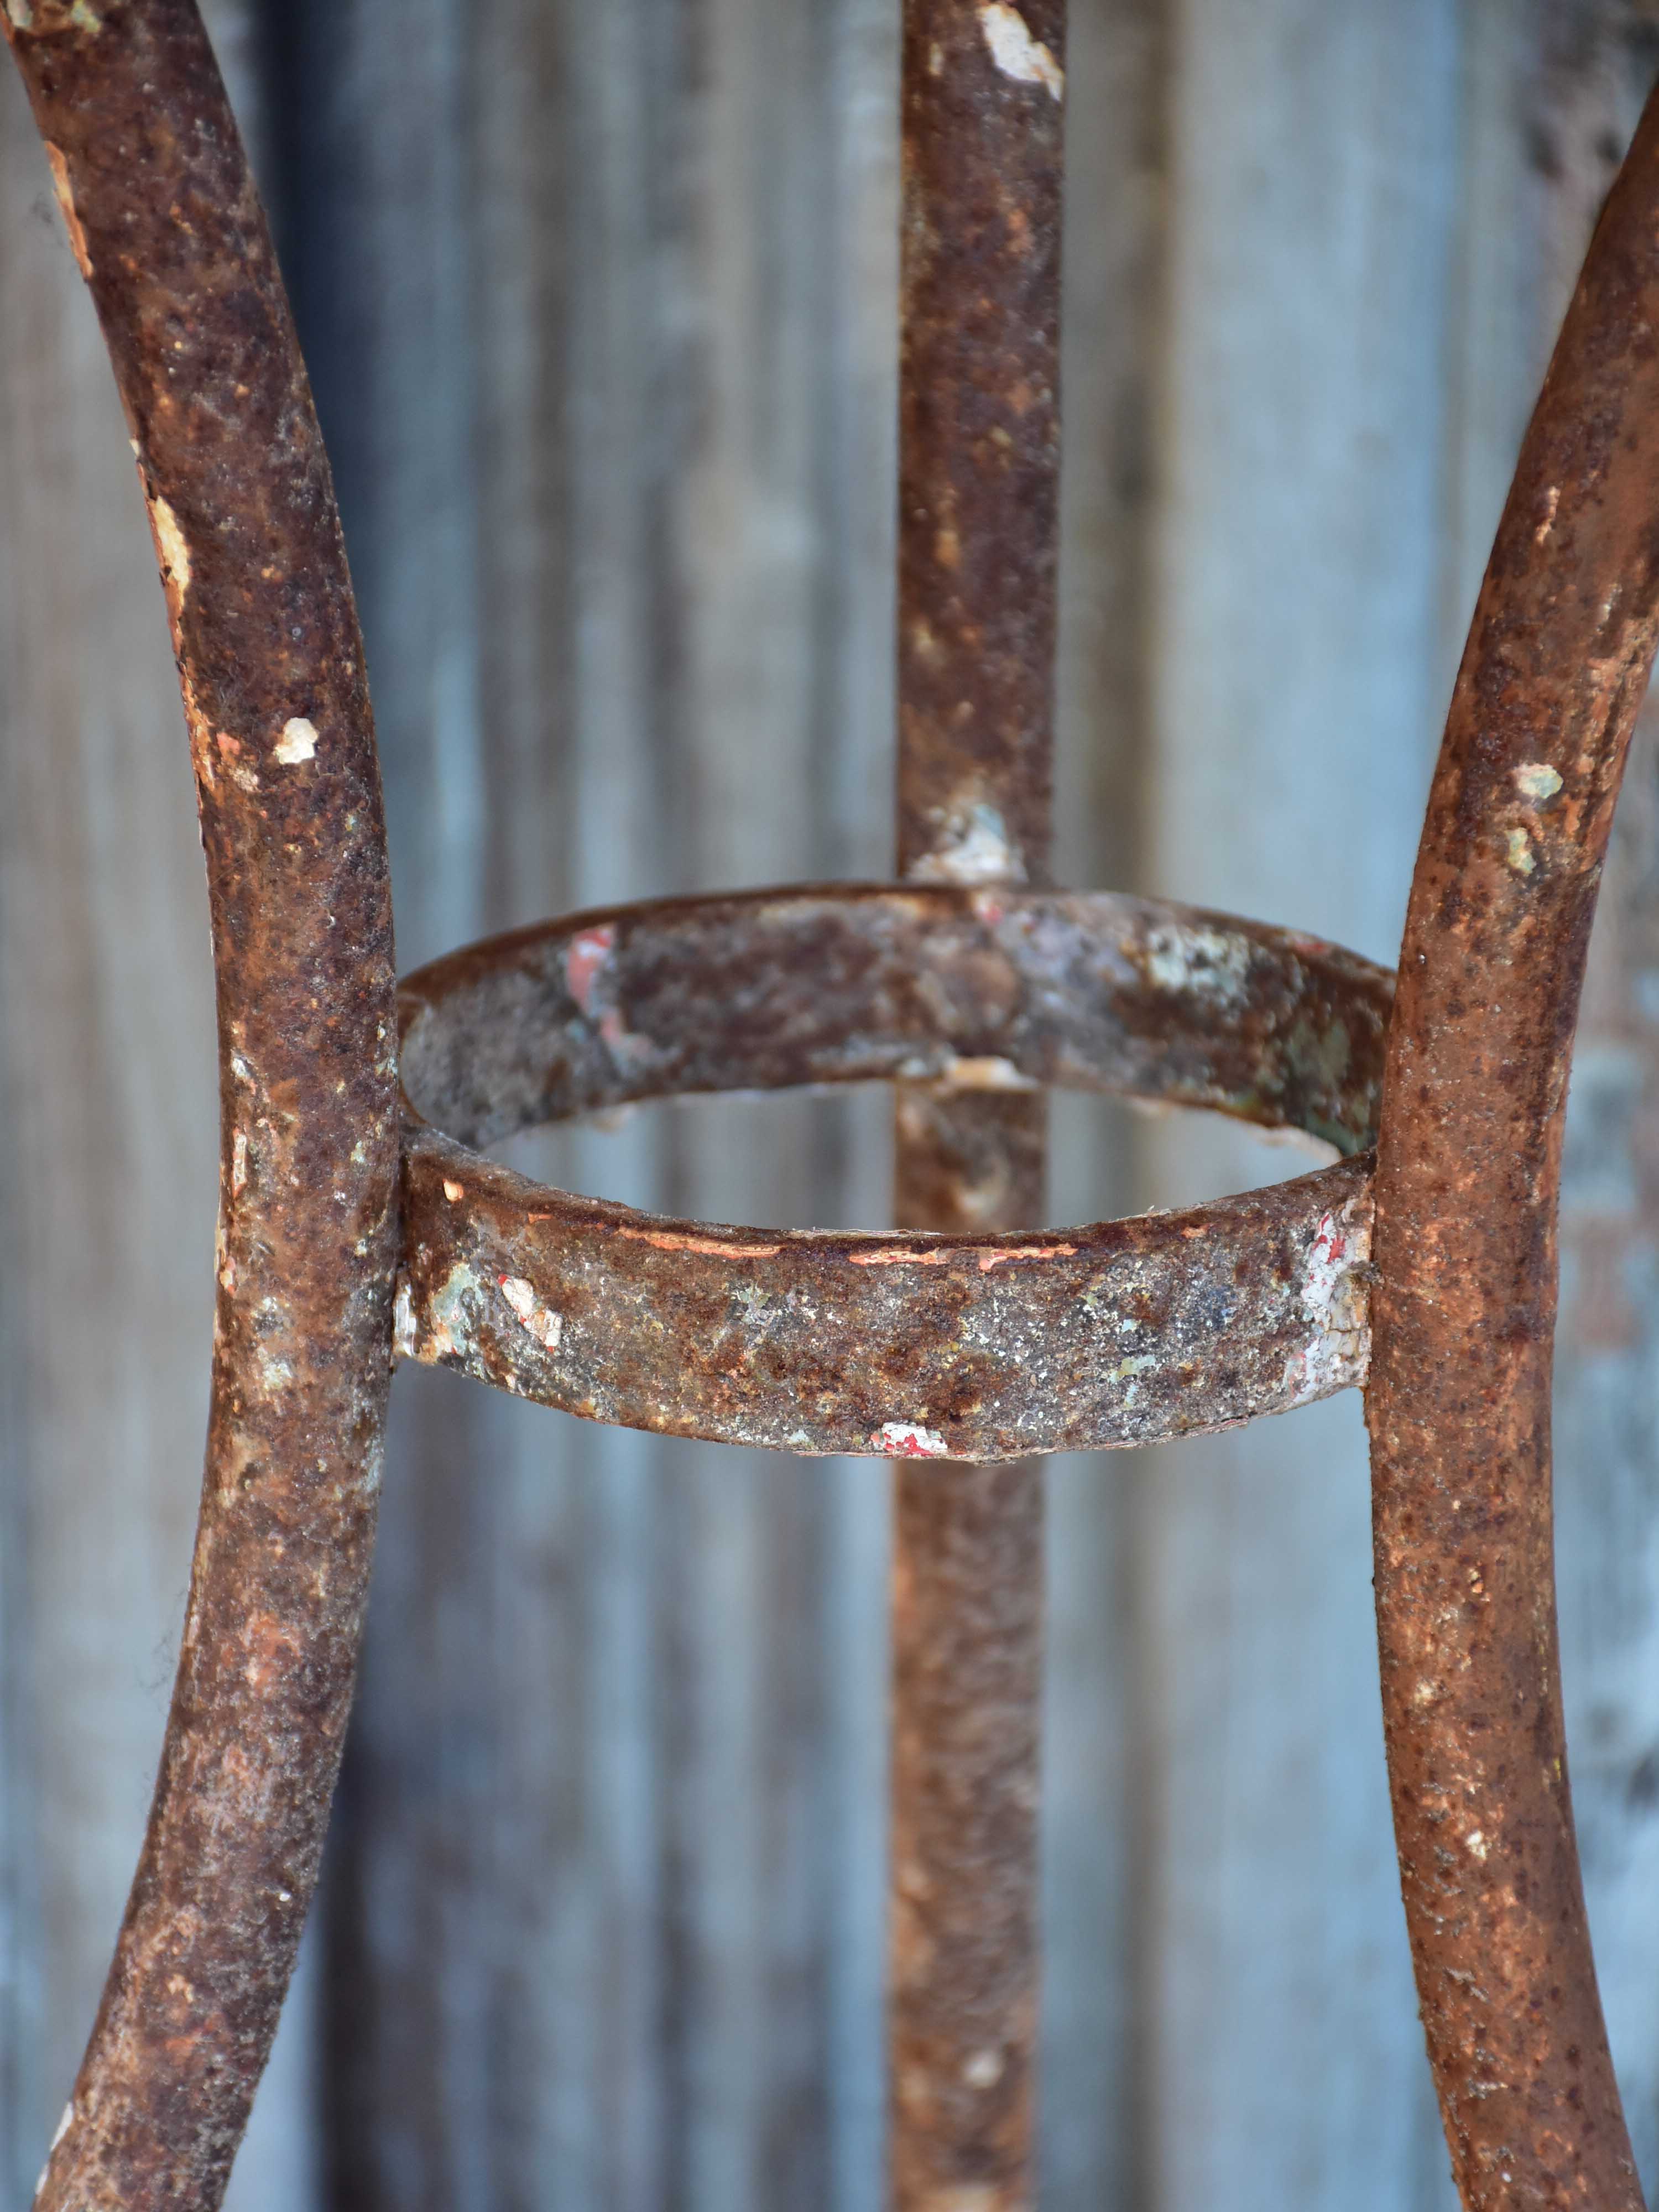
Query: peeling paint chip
point(297, 742)
point(985, 1072)
point(60, 186)
point(585, 957)
point(1537, 780)
point(908, 1440)
point(1016, 52)
point(170, 545)
point(973, 849)
point(1520, 854)
point(546, 1326)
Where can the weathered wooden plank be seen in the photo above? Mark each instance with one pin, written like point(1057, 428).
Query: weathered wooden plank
point(1089, 2083)
point(492, 1974)
point(584, 1888)
point(1313, 175)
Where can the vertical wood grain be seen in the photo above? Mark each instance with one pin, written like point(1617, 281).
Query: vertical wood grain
point(1313, 169)
point(1089, 2080)
point(578, 277)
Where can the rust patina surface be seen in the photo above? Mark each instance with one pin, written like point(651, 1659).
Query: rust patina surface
point(162, 217)
point(1557, 663)
point(922, 1345)
point(982, 113)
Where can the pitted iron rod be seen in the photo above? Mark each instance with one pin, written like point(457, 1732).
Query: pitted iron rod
point(166, 226)
point(982, 112)
point(1557, 664)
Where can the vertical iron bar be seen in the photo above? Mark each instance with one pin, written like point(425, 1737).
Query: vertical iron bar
point(979, 450)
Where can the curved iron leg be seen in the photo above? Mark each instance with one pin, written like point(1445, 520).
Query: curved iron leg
point(168, 230)
point(1468, 1170)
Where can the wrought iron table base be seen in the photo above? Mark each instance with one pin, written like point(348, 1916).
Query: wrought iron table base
point(342, 1198)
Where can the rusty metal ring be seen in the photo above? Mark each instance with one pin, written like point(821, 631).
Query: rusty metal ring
point(965, 1348)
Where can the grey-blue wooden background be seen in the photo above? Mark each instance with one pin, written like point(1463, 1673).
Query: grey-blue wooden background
point(599, 302)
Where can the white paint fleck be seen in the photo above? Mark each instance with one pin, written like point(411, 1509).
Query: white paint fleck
point(1333, 1297)
point(1537, 781)
point(1519, 853)
point(538, 1320)
point(1552, 501)
point(967, 2196)
point(170, 544)
point(455, 1192)
point(22, 16)
point(585, 960)
point(298, 742)
point(1475, 1844)
point(65, 198)
point(983, 2071)
point(909, 1440)
point(239, 1164)
point(403, 1320)
point(988, 1072)
point(975, 850)
point(64, 2125)
point(1016, 52)
point(275, 1373)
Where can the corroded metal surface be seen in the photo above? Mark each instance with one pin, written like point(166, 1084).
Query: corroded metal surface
point(976, 991)
point(1124, 1333)
point(921, 1345)
point(1558, 661)
point(982, 112)
point(164, 223)
point(981, 106)
point(963, 1938)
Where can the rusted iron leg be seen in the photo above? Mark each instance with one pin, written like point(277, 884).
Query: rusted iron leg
point(967, 1672)
point(966, 1669)
point(168, 231)
point(1556, 664)
point(982, 96)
